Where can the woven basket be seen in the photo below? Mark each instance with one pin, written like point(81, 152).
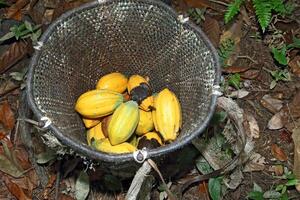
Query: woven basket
point(143, 37)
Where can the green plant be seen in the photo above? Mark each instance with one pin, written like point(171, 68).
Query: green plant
point(280, 55)
point(280, 191)
point(234, 80)
point(226, 49)
point(197, 14)
point(263, 10)
point(278, 75)
point(2, 3)
point(214, 187)
point(22, 31)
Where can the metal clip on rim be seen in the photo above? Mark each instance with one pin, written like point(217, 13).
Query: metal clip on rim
point(140, 155)
point(183, 19)
point(38, 46)
point(216, 91)
point(47, 122)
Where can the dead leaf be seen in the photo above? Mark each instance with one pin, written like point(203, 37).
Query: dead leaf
point(250, 74)
point(7, 117)
point(13, 54)
point(276, 122)
point(239, 94)
point(212, 29)
point(277, 169)
point(278, 153)
point(271, 104)
point(203, 190)
point(28, 183)
point(293, 108)
point(251, 127)
point(256, 163)
point(7, 86)
point(15, 190)
point(286, 136)
point(294, 64)
point(22, 158)
point(2, 135)
point(64, 197)
point(14, 11)
point(235, 69)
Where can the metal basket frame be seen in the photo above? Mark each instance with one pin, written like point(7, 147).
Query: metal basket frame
point(119, 158)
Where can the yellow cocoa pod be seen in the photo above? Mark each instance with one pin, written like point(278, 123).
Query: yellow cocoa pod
point(114, 81)
point(98, 103)
point(104, 145)
point(167, 114)
point(123, 122)
point(145, 123)
point(134, 81)
point(147, 103)
point(89, 123)
point(95, 132)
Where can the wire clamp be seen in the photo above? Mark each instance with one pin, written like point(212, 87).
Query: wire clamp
point(140, 155)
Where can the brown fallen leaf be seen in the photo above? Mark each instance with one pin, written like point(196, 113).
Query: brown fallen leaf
point(276, 122)
point(256, 162)
point(293, 108)
point(28, 183)
point(239, 94)
point(14, 11)
point(64, 197)
point(294, 64)
point(235, 69)
point(7, 86)
point(251, 126)
point(22, 158)
point(250, 74)
point(278, 153)
point(13, 54)
point(271, 104)
point(7, 117)
point(277, 169)
point(2, 135)
point(286, 136)
point(15, 190)
point(203, 190)
point(212, 29)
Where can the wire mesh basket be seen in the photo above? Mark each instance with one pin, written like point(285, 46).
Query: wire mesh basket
point(143, 37)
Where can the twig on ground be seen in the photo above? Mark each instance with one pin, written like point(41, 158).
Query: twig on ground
point(249, 58)
point(219, 2)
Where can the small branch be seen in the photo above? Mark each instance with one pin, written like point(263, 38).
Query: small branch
point(249, 58)
point(138, 181)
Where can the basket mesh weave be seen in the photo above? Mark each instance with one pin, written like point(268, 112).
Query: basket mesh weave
point(133, 37)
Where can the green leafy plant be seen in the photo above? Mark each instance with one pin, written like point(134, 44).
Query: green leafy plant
point(295, 44)
point(214, 187)
point(280, 55)
point(278, 75)
point(197, 14)
point(226, 49)
point(2, 3)
point(263, 10)
point(280, 191)
point(22, 31)
point(232, 10)
point(234, 80)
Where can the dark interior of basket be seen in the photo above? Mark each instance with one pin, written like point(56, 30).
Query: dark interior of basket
point(131, 37)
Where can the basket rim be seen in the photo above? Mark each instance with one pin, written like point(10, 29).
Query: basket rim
point(120, 158)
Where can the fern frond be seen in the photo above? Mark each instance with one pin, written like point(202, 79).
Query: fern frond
point(263, 10)
point(232, 10)
point(226, 49)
